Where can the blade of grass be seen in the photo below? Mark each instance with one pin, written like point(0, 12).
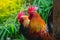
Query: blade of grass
point(2, 37)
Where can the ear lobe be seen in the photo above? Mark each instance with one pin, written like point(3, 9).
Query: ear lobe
point(21, 20)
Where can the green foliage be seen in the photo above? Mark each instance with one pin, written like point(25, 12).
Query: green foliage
point(10, 27)
point(8, 7)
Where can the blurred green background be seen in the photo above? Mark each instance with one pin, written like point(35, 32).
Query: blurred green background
point(9, 9)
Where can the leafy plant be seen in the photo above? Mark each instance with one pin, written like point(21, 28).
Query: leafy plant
point(9, 27)
point(8, 7)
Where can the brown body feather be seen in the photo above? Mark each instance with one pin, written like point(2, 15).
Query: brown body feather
point(38, 27)
point(37, 23)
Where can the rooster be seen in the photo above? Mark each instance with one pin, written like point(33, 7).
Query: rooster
point(24, 21)
point(37, 26)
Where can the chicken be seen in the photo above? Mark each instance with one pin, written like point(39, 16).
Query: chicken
point(37, 26)
point(24, 21)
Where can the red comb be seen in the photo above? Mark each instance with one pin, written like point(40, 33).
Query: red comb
point(32, 8)
point(20, 14)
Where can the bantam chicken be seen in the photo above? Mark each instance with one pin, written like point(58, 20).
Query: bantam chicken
point(37, 26)
point(24, 21)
